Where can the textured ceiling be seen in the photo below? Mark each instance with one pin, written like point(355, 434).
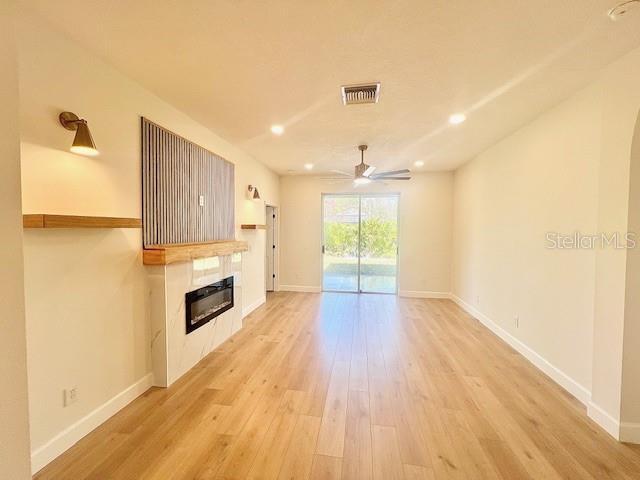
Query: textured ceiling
point(239, 66)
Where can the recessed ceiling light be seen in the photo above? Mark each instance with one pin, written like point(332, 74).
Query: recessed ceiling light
point(277, 129)
point(308, 166)
point(457, 118)
point(419, 163)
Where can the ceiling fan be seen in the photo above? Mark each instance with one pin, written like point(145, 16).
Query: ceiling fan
point(364, 173)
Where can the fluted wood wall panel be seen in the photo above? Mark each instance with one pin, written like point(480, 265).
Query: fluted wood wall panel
point(175, 173)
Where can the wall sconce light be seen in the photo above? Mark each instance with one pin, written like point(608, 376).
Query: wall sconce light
point(253, 192)
point(83, 142)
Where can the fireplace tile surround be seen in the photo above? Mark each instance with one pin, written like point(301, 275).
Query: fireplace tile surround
point(173, 351)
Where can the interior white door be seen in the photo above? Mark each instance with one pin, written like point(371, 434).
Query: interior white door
point(270, 249)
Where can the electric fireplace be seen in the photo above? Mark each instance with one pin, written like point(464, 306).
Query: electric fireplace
point(206, 303)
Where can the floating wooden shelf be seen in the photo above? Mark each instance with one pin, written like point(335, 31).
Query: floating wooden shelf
point(166, 254)
point(252, 226)
point(45, 220)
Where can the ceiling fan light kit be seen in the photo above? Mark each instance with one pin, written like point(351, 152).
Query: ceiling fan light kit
point(364, 173)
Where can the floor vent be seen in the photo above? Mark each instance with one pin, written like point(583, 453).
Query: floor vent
point(364, 93)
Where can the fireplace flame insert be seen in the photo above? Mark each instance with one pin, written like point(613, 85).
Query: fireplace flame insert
point(206, 303)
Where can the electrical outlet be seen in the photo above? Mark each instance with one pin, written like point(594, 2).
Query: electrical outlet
point(201, 200)
point(477, 299)
point(70, 396)
point(516, 321)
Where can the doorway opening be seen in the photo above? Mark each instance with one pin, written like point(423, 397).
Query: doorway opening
point(360, 243)
point(271, 250)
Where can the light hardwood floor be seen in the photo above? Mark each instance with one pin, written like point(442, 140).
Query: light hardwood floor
point(343, 386)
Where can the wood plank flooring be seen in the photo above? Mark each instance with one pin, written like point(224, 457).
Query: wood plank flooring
point(343, 386)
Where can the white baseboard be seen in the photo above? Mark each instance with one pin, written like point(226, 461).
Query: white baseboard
point(423, 294)
point(606, 421)
point(250, 308)
point(300, 288)
point(630, 432)
point(64, 440)
point(622, 431)
point(557, 375)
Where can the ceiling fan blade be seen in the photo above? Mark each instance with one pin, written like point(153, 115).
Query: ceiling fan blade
point(369, 171)
point(382, 177)
point(340, 172)
point(335, 180)
point(392, 172)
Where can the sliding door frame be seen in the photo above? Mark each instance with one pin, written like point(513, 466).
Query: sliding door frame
point(322, 245)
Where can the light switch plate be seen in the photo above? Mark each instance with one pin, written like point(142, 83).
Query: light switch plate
point(201, 200)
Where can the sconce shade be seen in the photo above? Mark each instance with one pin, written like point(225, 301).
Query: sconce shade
point(253, 192)
point(83, 143)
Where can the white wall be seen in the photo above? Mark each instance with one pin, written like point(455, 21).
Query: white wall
point(424, 230)
point(86, 291)
point(621, 102)
point(543, 178)
point(620, 319)
point(568, 170)
point(14, 420)
point(630, 402)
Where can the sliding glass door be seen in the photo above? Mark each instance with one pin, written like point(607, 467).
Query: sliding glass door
point(341, 234)
point(360, 243)
point(378, 243)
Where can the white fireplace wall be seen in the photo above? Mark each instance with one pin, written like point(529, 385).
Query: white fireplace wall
point(173, 351)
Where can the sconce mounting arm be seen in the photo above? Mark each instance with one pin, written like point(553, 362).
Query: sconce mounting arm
point(70, 120)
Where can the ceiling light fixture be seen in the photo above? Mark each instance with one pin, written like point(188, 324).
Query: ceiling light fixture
point(361, 181)
point(308, 166)
point(277, 129)
point(457, 118)
point(83, 142)
point(419, 163)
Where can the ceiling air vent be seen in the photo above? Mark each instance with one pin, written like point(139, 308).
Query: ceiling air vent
point(364, 93)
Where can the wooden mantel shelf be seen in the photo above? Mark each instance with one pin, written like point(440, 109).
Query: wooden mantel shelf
point(166, 254)
point(252, 226)
point(45, 220)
